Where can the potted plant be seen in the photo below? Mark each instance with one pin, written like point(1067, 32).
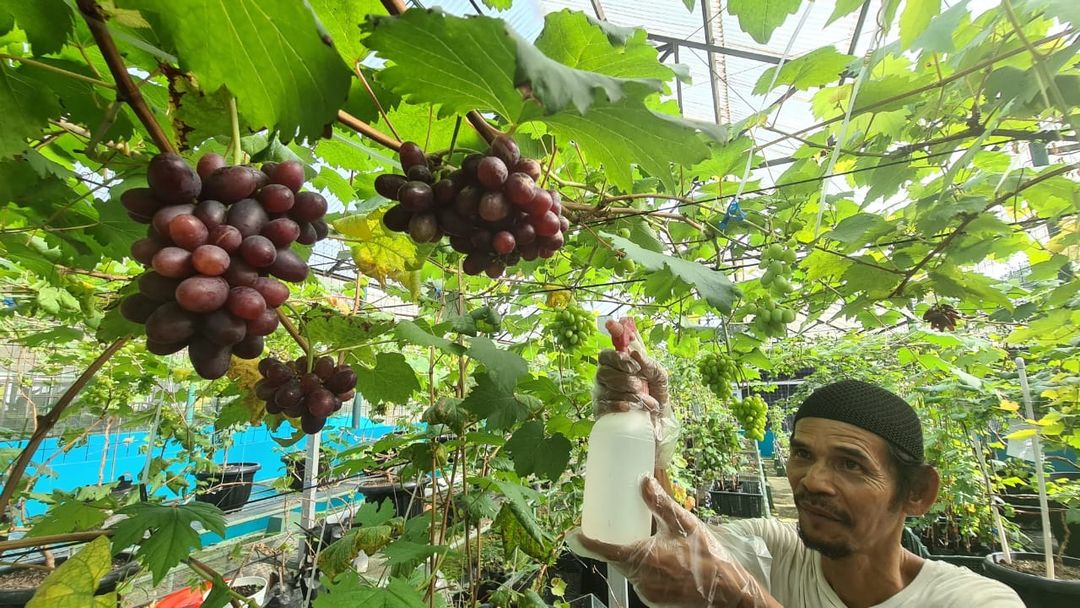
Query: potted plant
point(19, 581)
point(227, 486)
point(251, 587)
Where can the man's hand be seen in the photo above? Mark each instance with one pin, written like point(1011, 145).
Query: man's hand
point(684, 565)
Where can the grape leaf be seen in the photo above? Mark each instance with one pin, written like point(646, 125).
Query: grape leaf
point(814, 69)
point(516, 536)
point(574, 40)
point(337, 557)
point(392, 379)
point(760, 18)
point(349, 590)
point(504, 367)
point(844, 8)
point(488, 401)
point(68, 516)
point(916, 16)
point(73, 584)
point(26, 110)
point(971, 287)
point(534, 453)
point(47, 23)
point(267, 53)
point(853, 230)
point(379, 253)
point(937, 36)
point(713, 285)
point(164, 533)
point(341, 18)
point(499, 5)
point(412, 333)
point(407, 555)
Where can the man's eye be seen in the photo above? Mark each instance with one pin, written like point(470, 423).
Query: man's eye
point(851, 465)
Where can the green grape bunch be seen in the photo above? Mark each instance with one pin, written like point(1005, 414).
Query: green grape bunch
point(770, 318)
point(718, 372)
point(572, 326)
point(777, 261)
point(751, 413)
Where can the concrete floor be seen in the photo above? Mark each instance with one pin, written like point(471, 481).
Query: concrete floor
point(783, 506)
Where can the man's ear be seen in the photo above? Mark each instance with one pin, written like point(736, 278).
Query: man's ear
point(924, 494)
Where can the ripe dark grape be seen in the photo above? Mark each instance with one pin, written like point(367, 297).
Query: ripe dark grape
point(306, 234)
point(347, 396)
point(320, 402)
point(188, 231)
point(165, 348)
point(202, 294)
point(520, 189)
point(445, 191)
point(343, 379)
point(264, 325)
point(546, 253)
point(258, 251)
point(493, 207)
point(411, 155)
point(210, 360)
point(423, 228)
point(137, 308)
point(481, 241)
point(143, 250)
point(529, 251)
point(158, 288)
point(223, 328)
point(503, 242)
point(276, 373)
point(546, 225)
point(173, 262)
point(467, 201)
point(211, 213)
point(289, 395)
point(289, 267)
point(289, 173)
point(491, 172)
point(495, 269)
point(165, 215)
point(388, 185)
point(209, 163)
point(322, 229)
point(453, 224)
point(475, 263)
point(396, 218)
point(311, 424)
point(273, 291)
point(524, 233)
point(309, 206)
point(323, 367)
point(539, 205)
point(247, 216)
point(172, 180)
point(555, 241)
point(226, 237)
point(419, 173)
point(461, 244)
point(240, 274)
point(530, 167)
point(140, 204)
point(416, 196)
point(276, 198)
point(470, 165)
point(210, 260)
point(245, 303)
point(310, 382)
point(230, 184)
point(249, 348)
point(564, 224)
point(170, 324)
point(506, 149)
point(263, 390)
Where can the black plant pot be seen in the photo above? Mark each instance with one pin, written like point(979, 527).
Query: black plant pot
point(744, 500)
point(17, 598)
point(294, 471)
point(408, 497)
point(1035, 590)
point(230, 488)
point(975, 563)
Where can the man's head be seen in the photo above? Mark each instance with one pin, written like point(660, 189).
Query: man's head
point(856, 468)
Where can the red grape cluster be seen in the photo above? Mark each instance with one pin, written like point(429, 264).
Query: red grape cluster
point(218, 236)
point(491, 207)
point(309, 394)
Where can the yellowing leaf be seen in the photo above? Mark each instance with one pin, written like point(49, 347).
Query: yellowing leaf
point(1021, 434)
point(557, 298)
point(379, 253)
point(73, 584)
point(1009, 406)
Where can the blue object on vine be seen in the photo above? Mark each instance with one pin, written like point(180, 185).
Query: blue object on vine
point(734, 214)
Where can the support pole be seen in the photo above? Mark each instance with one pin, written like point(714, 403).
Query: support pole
point(706, 22)
point(618, 589)
point(311, 477)
point(1040, 476)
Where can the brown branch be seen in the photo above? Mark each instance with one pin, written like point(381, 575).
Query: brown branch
point(367, 130)
point(39, 541)
point(48, 421)
point(394, 7)
point(967, 218)
point(126, 89)
point(287, 323)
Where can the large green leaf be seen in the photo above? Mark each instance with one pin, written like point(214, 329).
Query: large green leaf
point(268, 53)
point(392, 379)
point(69, 516)
point(504, 367)
point(73, 584)
point(845, 7)
point(47, 23)
point(814, 69)
point(534, 453)
point(916, 16)
point(488, 401)
point(713, 285)
point(165, 534)
point(760, 18)
point(26, 110)
point(574, 40)
point(342, 19)
point(419, 334)
point(349, 590)
point(858, 228)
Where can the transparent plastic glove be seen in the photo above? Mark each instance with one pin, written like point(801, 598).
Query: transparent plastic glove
point(628, 379)
point(686, 564)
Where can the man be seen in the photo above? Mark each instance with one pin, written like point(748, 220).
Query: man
point(856, 470)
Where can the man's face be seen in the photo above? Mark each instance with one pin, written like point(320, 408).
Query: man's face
point(844, 488)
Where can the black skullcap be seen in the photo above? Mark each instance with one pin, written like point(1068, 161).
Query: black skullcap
point(868, 407)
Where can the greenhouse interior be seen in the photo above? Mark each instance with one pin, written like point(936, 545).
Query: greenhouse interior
point(540, 303)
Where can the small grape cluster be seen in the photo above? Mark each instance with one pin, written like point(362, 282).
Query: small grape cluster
point(770, 318)
point(776, 261)
point(310, 394)
point(572, 326)
point(942, 317)
point(491, 208)
point(751, 413)
point(219, 239)
point(718, 372)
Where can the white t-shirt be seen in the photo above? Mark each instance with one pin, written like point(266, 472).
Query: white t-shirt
point(798, 582)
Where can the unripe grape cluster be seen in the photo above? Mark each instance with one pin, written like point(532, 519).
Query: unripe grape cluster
point(572, 326)
point(219, 240)
point(770, 318)
point(751, 413)
point(718, 372)
point(491, 208)
point(311, 394)
point(776, 261)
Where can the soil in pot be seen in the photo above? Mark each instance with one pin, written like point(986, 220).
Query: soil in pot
point(1065, 572)
point(18, 585)
point(247, 590)
point(1026, 576)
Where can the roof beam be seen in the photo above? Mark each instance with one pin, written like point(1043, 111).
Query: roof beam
point(714, 48)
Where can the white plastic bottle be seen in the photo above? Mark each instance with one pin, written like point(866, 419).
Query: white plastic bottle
point(622, 452)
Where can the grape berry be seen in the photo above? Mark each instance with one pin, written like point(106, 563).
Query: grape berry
point(572, 326)
point(310, 394)
point(219, 240)
point(718, 372)
point(491, 208)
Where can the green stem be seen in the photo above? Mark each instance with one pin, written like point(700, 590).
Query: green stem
point(61, 71)
point(237, 153)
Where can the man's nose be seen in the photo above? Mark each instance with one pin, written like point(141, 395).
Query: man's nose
point(819, 479)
